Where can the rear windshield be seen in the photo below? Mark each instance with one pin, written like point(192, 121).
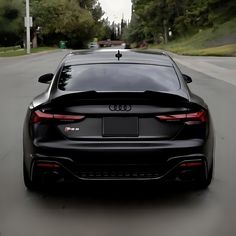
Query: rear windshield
point(118, 78)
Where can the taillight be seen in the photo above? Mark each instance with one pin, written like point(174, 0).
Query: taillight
point(67, 117)
point(187, 118)
point(48, 165)
point(38, 116)
point(192, 164)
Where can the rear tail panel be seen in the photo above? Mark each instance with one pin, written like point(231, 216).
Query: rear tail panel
point(118, 118)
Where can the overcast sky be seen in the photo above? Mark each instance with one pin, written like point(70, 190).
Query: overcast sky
point(115, 8)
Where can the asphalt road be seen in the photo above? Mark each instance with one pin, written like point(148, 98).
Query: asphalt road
point(112, 210)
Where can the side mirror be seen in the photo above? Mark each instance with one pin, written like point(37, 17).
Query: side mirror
point(46, 79)
point(187, 78)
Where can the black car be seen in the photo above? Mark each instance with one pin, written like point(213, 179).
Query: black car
point(118, 115)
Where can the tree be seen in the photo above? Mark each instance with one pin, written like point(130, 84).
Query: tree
point(75, 21)
point(11, 22)
point(152, 19)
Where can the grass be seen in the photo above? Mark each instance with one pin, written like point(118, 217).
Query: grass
point(201, 43)
point(225, 50)
point(17, 51)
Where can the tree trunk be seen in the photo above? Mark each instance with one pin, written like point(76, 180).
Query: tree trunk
point(165, 31)
point(35, 40)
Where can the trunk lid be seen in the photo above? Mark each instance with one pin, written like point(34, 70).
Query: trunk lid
point(111, 116)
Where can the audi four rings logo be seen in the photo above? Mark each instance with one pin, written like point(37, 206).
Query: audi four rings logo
point(120, 107)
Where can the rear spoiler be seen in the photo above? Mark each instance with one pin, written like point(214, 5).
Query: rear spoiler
point(163, 97)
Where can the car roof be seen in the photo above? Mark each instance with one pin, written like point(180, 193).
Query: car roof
point(110, 56)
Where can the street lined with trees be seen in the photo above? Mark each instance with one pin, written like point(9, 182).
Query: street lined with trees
point(154, 22)
point(75, 22)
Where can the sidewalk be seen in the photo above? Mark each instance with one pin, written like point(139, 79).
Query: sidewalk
point(222, 68)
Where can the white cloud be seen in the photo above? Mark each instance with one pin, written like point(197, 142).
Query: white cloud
point(114, 9)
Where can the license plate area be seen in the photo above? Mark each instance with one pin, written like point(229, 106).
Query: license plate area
point(120, 127)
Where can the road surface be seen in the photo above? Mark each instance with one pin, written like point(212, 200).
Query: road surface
point(114, 210)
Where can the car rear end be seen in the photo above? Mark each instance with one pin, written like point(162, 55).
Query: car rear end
point(137, 134)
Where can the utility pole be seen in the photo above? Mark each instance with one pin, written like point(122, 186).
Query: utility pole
point(27, 25)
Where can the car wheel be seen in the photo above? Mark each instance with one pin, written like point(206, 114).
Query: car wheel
point(29, 184)
point(203, 184)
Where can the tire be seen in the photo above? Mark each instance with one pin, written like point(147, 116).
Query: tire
point(29, 184)
point(203, 184)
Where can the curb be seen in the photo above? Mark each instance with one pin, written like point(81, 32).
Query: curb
point(35, 54)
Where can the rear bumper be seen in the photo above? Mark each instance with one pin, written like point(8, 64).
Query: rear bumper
point(174, 169)
point(150, 160)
